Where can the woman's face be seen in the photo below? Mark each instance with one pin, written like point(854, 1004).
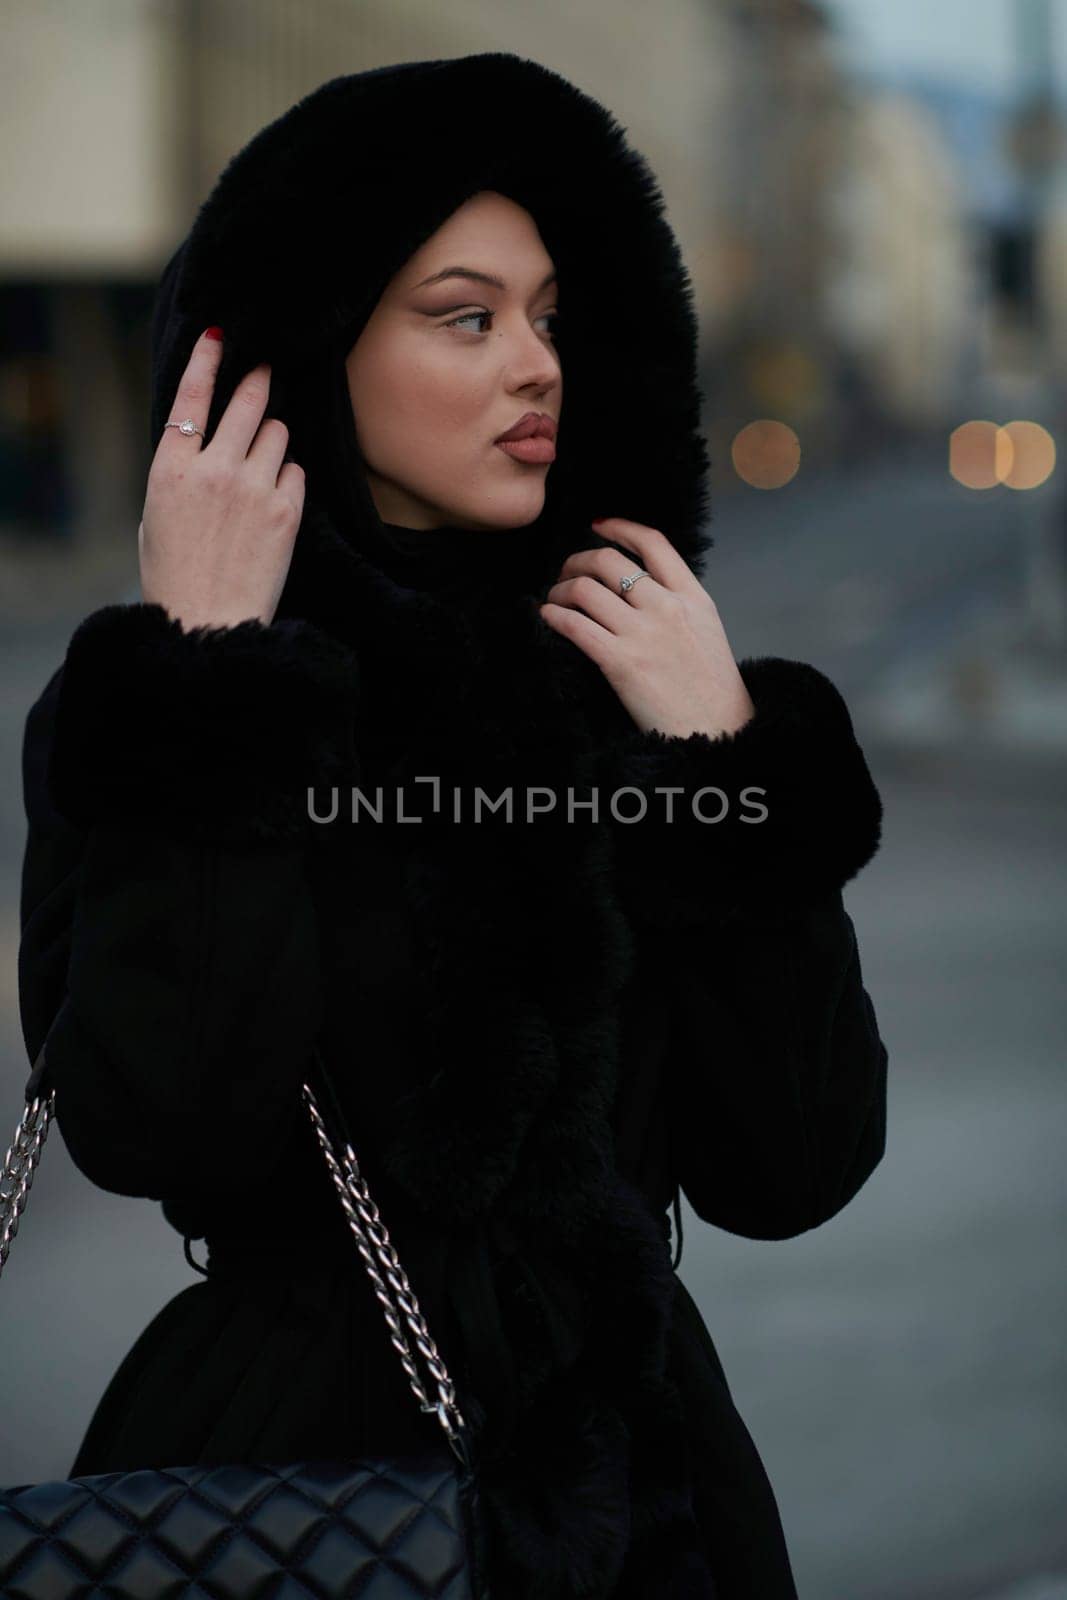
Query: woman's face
point(442, 369)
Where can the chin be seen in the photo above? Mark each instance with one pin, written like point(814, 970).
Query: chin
point(513, 507)
point(518, 510)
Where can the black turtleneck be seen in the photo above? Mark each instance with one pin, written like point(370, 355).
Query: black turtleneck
point(437, 558)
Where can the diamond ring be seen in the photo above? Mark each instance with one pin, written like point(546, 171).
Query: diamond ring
point(634, 577)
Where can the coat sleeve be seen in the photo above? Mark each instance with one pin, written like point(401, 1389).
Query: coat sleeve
point(169, 949)
point(776, 1074)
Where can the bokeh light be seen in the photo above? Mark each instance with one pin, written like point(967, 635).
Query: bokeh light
point(1020, 455)
point(973, 454)
point(766, 454)
point(1033, 455)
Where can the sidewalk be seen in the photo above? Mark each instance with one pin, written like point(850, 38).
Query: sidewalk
point(989, 700)
point(1045, 1587)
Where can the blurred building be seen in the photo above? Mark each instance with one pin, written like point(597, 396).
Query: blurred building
point(770, 171)
point(901, 289)
point(1052, 279)
point(769, 349)
point(846, 296)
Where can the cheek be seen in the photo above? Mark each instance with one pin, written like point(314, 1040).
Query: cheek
point(449, 409)
point(423, 405)
point(447, 383)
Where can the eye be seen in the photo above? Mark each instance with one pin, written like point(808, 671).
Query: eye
point(481, 316)
point(471, 316)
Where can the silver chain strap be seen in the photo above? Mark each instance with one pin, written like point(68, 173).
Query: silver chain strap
point(19, 1166)
point(353, 1186)
point(364, 1221)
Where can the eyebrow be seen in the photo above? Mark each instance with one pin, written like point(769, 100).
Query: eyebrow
point(479, 277)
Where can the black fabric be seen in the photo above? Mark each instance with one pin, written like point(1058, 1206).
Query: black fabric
point(541, 1028)
point(447, 556)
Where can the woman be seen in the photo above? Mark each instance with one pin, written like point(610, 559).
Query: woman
point(541, 1027)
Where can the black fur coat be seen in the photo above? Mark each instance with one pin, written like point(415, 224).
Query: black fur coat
point(541, 1030)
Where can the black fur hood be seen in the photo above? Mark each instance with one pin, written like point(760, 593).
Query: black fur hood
point(307, 224)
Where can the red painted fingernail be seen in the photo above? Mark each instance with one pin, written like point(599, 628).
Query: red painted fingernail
point(213, 333)
point(597, 520)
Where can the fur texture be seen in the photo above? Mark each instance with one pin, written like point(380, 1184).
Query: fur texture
point(793, 810)
point(145, 710)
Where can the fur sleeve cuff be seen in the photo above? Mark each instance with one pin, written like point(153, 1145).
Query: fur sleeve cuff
point(800, 814)
point(215, 733)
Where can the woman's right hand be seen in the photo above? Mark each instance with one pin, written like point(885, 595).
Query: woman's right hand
point(220, 520)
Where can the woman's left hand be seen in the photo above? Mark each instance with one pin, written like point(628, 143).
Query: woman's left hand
point(661, 645)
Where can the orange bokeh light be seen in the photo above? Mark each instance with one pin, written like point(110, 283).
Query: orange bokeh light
point(1033, 455)
point(766, 454)
point(972, 455)
point(1020, 455)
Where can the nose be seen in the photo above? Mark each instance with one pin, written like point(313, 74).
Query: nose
point(531, 360)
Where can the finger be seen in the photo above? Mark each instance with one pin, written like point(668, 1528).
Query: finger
point(596, 642)
point(292, 483)
point(196, 387)
point(267, 454)
point(240, 421)
point(610, 566)
point(587, 594)
point(654, 552)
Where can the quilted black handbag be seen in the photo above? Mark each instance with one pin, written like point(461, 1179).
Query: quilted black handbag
point(379, 1529)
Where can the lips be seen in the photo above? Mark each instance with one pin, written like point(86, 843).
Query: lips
point(531, 425)
point(535, 451)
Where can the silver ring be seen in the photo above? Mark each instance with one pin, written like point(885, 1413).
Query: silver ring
point(628, 582)
point(187, 427)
